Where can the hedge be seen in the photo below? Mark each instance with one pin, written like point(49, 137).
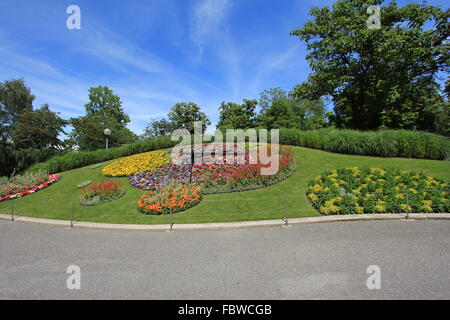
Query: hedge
point(382, 143)
point(78, 159)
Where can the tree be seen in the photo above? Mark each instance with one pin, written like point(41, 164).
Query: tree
point(184, 114)
point(38, 129)
point(15, 98)
point(237, 116)
point(26, 136)
point(103, 102)
point(104, 110)
point(158, 128)
point(279, 110)
point(377, 77)
point(88, 133)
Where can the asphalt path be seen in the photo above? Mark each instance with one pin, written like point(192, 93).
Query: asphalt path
point(311, 261)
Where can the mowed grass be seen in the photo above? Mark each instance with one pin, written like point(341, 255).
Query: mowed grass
point(269, 203)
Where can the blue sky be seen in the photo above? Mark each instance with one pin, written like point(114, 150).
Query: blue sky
point(154, 53)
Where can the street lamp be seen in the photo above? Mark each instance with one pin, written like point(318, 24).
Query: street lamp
point(107, 133)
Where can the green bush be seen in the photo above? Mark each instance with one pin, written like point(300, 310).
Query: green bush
point(382, 143)
point(73, 160)
point(374, 190)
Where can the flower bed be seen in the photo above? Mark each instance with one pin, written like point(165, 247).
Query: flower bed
point(14, 190)
point(374, 190)
point(102, 192)
point(135, 164)
point(215, 177)
point(176, 197)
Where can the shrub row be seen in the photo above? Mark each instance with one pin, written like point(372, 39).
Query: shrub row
point(73, 160)
point(382, 143)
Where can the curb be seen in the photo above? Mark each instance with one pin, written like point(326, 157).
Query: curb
point(227, 225)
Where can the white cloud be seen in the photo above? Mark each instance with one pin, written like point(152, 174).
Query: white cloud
point(207, 18)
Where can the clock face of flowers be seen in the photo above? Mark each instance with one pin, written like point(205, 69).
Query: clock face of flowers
point(177, 187)
point(209, 173)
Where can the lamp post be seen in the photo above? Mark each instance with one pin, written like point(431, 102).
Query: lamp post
point(107, 133)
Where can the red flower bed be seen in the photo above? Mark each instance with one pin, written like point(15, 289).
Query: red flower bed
point(29, 190)
point(101, 192)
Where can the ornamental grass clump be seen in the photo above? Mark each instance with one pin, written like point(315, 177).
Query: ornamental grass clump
point(374, 190)
point(104, 191)
point(170, 198)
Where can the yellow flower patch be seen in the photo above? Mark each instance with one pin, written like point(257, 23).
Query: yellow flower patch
point(136, 164)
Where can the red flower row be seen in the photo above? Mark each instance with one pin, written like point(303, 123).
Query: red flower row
point(51, 179)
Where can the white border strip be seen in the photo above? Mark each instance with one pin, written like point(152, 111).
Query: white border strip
point(227, 225)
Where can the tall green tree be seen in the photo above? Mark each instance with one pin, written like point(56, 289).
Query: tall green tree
point(27, 136)
point(39, 129)
point(15, 98)
point(280, 110)
point(88, 134)
point(104, 103)
point(237, 116)
point(184, 114)
point(158, 128)
point(104, 110)
point(377, 77)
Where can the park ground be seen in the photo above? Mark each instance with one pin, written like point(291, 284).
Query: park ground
point(268, 203)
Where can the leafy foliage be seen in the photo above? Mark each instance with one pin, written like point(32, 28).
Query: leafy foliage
point(279, 110)
point(184, 114)
point(158, 128)
point(27, 136)
point(104, 110)
point(103, 102)
point(237, 116)
point(88, 134)
point(377, 78)
point(38, 129)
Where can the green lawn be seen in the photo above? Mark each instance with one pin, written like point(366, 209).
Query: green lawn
point(56, 201)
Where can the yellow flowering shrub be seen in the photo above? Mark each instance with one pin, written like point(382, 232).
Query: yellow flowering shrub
point(138, 163)
point(373, 190)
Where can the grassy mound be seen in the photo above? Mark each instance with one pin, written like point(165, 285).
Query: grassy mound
point(268, 203)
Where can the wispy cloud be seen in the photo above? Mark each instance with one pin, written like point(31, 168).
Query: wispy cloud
point(111, 48)
point(207, 18)
point(144, 52)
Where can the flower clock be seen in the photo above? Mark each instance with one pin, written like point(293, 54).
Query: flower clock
point(177, 187)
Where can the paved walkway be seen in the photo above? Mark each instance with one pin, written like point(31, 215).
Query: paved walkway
point(318, 261)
